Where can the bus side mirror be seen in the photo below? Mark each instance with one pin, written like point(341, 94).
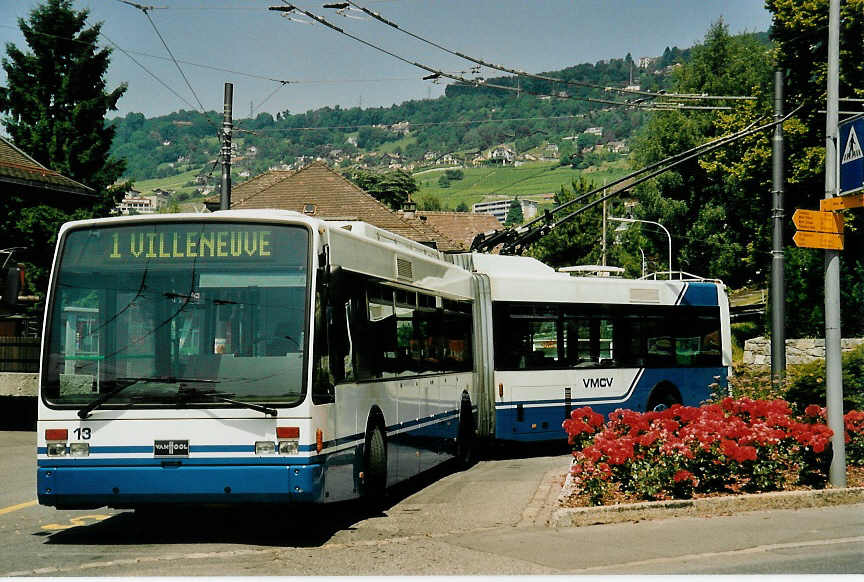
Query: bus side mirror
point(11, 285)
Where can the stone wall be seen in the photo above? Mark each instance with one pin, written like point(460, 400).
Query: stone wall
point(18, 384)
point(757, 350)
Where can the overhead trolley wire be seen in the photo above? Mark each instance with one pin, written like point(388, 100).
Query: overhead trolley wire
point(521, 73)
point(424, 124)
point(146, 70)
point(436, 73)
point(146, 10)
point(515, 240)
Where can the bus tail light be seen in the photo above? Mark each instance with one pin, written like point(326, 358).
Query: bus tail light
point(288, 432)
point(319, 440)
point(501, 390)
point(289, 439)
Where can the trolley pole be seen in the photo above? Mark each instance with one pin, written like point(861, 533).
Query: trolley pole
point(778, 300)
point(833, 352)
point(225, 199)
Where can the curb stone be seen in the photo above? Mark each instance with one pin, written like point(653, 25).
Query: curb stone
point(703, 507)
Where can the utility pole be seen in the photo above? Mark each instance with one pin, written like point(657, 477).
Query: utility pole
point(225, 199)
point(604, 232)
point(833, 353)
point(778, 299)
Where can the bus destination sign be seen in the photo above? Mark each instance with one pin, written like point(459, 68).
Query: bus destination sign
point(131, 245)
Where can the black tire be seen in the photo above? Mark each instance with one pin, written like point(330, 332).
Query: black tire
point(660, 400)
point(375, 466)
point(465, 441)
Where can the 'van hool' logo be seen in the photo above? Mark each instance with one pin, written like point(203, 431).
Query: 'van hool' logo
point(597, 382)
point(171, 448)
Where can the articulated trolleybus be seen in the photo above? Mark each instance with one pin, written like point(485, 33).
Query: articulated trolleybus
point(267, 356)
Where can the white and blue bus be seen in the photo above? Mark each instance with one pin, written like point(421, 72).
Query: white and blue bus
point(557, 342)
point(267, 356)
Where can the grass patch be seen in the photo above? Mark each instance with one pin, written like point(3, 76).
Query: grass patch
point(175, 182)
point(529, 181)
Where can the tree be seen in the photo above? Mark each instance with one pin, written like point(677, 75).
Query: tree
point(54, 105)
point(391, 188)
point(514, 214)
point(578, 241)
point(462, 207)
point(719, 218)
point(428, 202)
point(55, 100)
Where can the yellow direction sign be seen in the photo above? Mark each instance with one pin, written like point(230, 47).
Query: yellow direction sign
point(841, 202)
point(818, 221)
point(818, 240)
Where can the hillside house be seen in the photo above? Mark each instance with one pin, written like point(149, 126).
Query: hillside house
point(502, 155)
point(617, 147)
point(645, 62)
point(134, 202)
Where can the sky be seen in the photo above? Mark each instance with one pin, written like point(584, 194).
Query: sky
point(324, 68)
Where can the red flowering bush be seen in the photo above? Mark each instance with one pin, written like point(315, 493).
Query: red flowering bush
point(734, 445)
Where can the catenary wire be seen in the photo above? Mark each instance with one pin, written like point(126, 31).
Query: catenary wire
point(521, 73)
point(435, 73)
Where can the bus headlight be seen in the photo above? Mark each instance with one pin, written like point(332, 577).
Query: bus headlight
point(79, 450)
point(265, 448)
point(56, 449)
point(289, 447)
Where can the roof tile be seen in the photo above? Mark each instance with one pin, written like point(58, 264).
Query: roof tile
point(323, 193)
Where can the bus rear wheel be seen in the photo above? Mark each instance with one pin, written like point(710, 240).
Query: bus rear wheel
point(660, 400)
point(375, 466)
point(465, 438)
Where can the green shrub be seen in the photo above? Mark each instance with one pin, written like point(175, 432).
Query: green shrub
point(754, 382)
point(807, 382)
point(741, 332)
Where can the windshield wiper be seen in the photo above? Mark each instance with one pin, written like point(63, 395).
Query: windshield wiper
point(124, 383)
point(185, 393)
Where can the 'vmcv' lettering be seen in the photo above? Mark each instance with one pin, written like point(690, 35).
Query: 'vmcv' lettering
point(597, 382)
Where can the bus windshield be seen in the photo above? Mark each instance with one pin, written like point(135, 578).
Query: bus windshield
point(171, 314)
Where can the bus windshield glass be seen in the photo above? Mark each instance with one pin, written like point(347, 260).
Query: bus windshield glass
point(178, 314)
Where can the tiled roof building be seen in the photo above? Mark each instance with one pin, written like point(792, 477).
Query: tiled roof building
point(21, 173)
point(318, 191)
point(460, 227)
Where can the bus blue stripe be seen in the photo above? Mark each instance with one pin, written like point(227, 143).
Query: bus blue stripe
point(157, 461)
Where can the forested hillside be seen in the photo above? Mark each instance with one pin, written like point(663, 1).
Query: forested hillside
point(466, 120)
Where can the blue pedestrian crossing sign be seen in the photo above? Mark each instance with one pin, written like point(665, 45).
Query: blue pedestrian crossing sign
point(851, 155)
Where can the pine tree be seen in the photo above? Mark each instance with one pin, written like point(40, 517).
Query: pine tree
point(53, 107)
point(55, 99)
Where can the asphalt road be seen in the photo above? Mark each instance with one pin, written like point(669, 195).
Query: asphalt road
point(488, 519)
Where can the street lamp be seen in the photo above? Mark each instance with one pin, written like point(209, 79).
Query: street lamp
point(631, 220)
